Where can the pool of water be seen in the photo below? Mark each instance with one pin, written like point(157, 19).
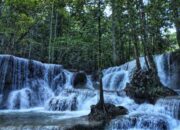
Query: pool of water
point(38, 118)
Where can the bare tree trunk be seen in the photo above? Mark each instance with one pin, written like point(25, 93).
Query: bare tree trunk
point(144, 34)
point(137, 55)
point(147, 46)
point(100, 57)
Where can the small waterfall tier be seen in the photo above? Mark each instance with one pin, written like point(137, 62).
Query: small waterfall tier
point(171, 106)
point(140, 122)
point(168, 66)
point(28, 83)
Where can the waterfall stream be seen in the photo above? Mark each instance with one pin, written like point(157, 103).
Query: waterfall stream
point(34, 95)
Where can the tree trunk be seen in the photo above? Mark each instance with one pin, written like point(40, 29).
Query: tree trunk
point(50, 34)
point(100, 56)
point(144, 35)
point(137, 55)
point(151, 66)
point(113, 33)
point(133, 34)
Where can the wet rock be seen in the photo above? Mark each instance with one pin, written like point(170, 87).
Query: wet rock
point(79, 79)
point(99, 126)
point(110, 111)
point(145, 87)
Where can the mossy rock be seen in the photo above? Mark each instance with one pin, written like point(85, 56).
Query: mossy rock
point(109, 112)
point(146, 87)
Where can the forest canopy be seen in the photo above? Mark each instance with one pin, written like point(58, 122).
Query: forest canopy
point(66, 31)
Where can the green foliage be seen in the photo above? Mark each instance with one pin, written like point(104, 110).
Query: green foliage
point(25, 27)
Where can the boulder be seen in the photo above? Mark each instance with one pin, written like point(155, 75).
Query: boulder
point(110, 111)
point(79, 79)
point(145, 87)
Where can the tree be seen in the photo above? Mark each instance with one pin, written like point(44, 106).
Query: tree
point(133, 23)
point(144, 32)
point(100, 57)
point(67, 33)
point(113, 32)
point(175, 10)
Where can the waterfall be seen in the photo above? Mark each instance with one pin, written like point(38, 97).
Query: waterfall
point(163, 67)
point(45, 81)
point(83, 99)
point(171, 106)
point(115, 78)
point(19, 99)
point(28, 83)
point(70, 100)
point(45, 95)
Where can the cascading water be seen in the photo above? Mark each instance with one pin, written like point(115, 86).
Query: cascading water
point(29, 79)
point(171, 106)
point(45, 93)
point(163, 65)
point(19, 99)
point(115, 78)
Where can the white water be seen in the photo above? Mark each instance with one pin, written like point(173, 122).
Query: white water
point(171, 106)
point(47, 90)
point(115, 78)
